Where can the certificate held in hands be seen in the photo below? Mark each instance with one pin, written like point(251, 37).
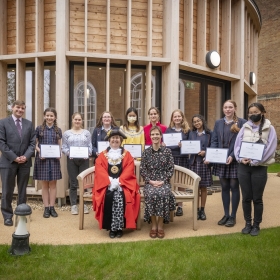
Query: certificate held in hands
point(78, 152)
point(251, 150)
point(190, 147)
point(135, 150)
point(216, 155)
point(171, 139)
point(49, 151)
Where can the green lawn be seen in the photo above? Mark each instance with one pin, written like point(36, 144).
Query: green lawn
point(274, 168)
point(232, 256)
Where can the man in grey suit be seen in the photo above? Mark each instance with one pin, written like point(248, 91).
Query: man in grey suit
point(17, 145)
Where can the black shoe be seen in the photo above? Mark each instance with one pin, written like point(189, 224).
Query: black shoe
point(247, 229)
point(47, 212)
point(8, 222)
point(53, 212)
point(119, 233)
point(198, 214)
point(255, 231)
point(223, 221)
point(230, 222)
point(179, 211)
point(202, 215)
point(112, 234)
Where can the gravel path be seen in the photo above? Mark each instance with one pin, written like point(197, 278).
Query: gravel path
point(65, 228)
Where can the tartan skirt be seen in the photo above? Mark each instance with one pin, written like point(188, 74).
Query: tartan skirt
point(204, 171)
point(181, 161)
point(225, 170)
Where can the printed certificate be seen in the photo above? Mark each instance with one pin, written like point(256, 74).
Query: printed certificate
point(49, 151)
point(134, 149)
point(172, 139)
point(190, 147)
point(216, 155)
point(78, 152)
point(102, 145)
point(251, 150)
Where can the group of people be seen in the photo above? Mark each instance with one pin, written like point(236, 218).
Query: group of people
point(116, 197)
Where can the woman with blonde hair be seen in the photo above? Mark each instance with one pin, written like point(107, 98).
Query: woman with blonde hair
point(179, 124)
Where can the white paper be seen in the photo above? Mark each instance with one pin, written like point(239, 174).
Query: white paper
point(216, 155)
point(49, 151)
point(135, 150)
point(172, 139)
point(78, 152)
point(190, 147)
point(251, 150)
point(147, 146)
point(102, 145)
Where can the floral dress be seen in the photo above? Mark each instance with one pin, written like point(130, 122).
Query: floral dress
point(158, 166)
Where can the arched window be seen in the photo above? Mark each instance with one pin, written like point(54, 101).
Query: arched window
point(91, 103)
point(137, 89)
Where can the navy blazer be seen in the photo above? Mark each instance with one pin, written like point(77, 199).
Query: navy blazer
point(98, 135)
point(204, 144)
point(13, 146)
point(218, 134)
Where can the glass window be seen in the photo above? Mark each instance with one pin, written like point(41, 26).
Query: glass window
point(11, 88)
point(49, 86)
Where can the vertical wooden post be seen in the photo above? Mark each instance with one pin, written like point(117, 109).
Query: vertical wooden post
point(170, 79)
point(3, 27)
point(127, 84)
point(226, 36)
point(201, 32)
point(39, 45)
point(86, 97)
point(214, 25)
point(20, 26)
point(107, 95)
point(129, 6)
point(188, 30)
point(62, 81)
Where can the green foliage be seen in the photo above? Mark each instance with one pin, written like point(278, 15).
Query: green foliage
point(274, 168)
point(232, 256)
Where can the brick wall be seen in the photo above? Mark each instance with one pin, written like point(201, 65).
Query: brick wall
point(269, 61)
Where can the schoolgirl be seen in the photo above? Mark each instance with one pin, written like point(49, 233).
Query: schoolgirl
point(252, 173)
point(202, 133)
point(47, 170)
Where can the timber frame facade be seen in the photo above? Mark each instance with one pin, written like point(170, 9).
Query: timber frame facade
point(139, 53)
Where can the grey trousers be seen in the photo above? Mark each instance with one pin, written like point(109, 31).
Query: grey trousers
point(74, 167)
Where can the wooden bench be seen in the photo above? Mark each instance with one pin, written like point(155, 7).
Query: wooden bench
point(182, 178)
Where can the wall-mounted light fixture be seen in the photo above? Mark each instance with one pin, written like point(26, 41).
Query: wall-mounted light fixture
point(252, 78)
point(213, 59)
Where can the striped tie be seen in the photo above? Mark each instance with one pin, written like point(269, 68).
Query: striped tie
point(18, 127)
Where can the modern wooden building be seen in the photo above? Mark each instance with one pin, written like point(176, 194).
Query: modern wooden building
point(96, 55)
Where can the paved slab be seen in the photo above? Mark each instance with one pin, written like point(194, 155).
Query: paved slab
point(65, 228)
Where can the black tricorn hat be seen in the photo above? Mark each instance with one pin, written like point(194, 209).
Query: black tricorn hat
point(114, 132)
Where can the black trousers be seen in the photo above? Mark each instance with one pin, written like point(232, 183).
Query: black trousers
point(252, 180)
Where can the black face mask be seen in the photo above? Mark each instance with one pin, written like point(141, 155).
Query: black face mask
point(255, 118)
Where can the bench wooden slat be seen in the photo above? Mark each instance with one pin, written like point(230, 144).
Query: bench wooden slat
point(182, 178)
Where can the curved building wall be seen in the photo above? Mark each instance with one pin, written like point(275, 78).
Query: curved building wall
point(101, 55)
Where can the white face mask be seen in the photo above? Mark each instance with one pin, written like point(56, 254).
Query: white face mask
point(132, 119)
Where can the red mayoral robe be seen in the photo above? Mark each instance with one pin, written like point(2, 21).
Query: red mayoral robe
point(128, 184)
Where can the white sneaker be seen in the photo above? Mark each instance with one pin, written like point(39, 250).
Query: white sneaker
point(86, 211)
point(74, 210)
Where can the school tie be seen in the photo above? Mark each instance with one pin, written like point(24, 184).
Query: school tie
point(18, 126)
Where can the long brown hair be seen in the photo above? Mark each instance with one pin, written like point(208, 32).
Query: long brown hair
point(113, 122)
point(234, 128)
point(184, 124)
point(52, 110)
